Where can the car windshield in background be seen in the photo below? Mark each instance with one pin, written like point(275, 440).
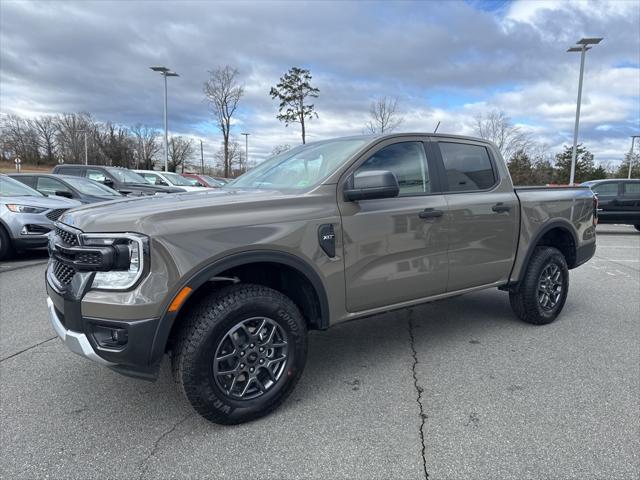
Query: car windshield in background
point(213, 181)
point(126, 176)
point(90, 187)
point(300, 168)
point(178, 180)
point(13, 188)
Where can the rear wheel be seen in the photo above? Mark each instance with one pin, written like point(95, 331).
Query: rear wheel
point(6, 249)
point(241, 353)
point(542, 293)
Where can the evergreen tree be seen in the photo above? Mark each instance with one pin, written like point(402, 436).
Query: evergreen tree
point(292, 91)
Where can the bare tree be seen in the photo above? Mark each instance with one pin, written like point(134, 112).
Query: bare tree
point(147, 145)
point(20, 139)
point(46, 129)
point(237, 164)
point(70, 135)
point(498, 128)
point(383, 115)
point(292, 92)
point(180, 152)
point(223, 93)
point(278, 149)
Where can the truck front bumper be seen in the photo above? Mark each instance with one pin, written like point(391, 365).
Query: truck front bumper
point(75, 341)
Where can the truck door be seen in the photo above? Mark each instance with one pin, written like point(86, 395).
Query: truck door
point(483, 213)
point(395, 249)
point(630, 201)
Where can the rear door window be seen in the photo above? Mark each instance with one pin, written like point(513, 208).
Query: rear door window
point(468, 167)
point(631, 189)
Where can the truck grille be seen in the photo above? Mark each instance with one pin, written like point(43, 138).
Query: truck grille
point(63, 273)
point(68, 238)
point(54, 215)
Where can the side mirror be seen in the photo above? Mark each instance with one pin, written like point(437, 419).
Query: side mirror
point(62, 193)
point(108, 182)
point(371, 184)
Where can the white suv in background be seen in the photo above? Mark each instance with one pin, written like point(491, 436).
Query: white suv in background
point(171, 179)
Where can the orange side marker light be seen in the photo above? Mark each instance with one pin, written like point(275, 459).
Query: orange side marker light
point(179, 299)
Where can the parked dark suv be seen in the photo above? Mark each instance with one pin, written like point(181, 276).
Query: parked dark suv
point(121, 179)
point(619, 200)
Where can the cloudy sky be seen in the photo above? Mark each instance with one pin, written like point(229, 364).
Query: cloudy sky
point(445, 61)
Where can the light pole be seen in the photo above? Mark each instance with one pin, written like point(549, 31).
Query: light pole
point(86, 156)
point(246, 149)
point(633, 140)
point(201, 158)
point(582, 47)
point(165, 72)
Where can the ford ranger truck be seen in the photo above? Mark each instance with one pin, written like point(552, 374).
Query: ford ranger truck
point(227, 282)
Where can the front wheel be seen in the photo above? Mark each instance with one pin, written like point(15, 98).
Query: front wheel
point(6, 249)
point(240, 353)
point(541, 295)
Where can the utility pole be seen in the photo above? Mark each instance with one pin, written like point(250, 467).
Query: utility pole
point(201, 159)
point(86, 155)
point(165, 72)
point(246, 149)
point(582, 47)
point(633, 140)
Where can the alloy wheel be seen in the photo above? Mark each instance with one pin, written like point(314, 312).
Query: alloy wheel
point(250, 358)
point(550, 286)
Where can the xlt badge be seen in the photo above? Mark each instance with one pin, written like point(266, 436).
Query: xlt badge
point(327, 239)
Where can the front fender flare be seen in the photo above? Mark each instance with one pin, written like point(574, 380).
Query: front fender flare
point(213, 269)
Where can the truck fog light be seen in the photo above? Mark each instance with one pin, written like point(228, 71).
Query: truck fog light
point(110, 337)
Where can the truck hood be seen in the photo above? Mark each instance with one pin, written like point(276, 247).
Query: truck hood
point(178, 211)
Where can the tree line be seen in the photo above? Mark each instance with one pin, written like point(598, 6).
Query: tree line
point(71, 137)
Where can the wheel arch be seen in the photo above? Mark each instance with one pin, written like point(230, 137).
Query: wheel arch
point(308, 291)
point(559, 234)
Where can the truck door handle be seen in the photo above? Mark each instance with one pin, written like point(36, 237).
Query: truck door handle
point(430, 213)
point(501, 208)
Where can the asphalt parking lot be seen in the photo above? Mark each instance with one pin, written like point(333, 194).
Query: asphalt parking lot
point(457, 388)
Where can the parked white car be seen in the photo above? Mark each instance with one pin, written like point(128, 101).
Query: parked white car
point(170, 179)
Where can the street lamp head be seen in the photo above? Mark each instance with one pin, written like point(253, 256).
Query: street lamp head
point(160, 69)
point(171, 73)
point(245, 134)
point(578, 49)
point(589, 41)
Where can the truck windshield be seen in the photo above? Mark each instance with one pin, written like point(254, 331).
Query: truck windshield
point(301, 167)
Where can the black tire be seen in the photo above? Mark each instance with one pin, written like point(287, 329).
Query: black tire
point(222, 321)
point(528, 300)
point(6, 248)
point(637, 227)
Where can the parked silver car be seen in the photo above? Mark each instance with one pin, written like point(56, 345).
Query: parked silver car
point(27, 216)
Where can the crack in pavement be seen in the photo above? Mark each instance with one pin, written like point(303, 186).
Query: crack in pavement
point(143, 466)
point(27, 349)
point(419, 390)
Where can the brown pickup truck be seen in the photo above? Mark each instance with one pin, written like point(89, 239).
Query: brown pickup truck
point(229, 281)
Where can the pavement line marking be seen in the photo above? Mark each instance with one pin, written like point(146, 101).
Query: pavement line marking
point(27, 349)
point(20, 267)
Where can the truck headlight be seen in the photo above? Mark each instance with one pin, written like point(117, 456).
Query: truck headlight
point(132, 250)
point(24, 208)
